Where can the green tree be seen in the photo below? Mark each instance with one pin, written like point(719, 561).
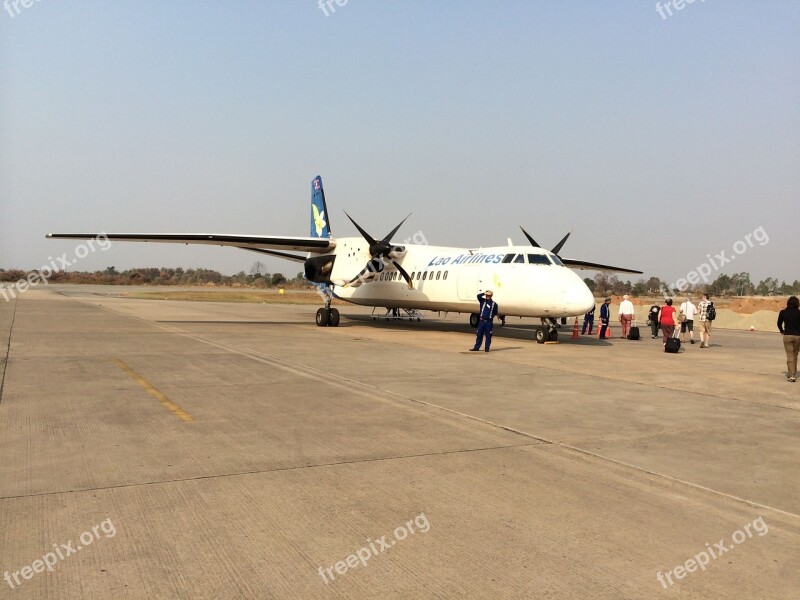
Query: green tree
point(653, 285)
point(741, 284)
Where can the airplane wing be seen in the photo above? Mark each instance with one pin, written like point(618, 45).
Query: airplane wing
point(590, 266)
point(266, 244)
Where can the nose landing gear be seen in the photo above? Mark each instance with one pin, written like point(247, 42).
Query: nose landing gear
point(548, 331)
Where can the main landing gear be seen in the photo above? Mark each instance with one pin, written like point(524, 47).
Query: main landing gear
point(327, 317)
point(473, 320)
point(551, 333)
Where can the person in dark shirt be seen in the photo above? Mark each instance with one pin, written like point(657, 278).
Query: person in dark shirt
point(588, 321)
point(789, 326)
point(488, 311)
point(653, 316)
point(605, 317)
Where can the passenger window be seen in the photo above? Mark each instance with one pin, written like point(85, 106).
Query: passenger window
point(424, 276)
point(438, 273)
point(445, 275)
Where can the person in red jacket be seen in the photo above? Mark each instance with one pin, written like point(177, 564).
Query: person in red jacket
point(667, 320)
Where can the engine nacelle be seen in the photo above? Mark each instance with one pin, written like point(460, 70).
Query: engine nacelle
point(318, 268)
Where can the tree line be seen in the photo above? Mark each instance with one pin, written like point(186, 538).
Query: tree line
point(257, 278)
point(738, 284)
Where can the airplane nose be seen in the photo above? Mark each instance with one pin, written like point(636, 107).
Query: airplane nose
point(579, 299)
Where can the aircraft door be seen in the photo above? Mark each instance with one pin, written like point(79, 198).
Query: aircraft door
point(470, 281)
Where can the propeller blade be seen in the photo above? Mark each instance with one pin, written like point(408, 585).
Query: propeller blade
point(374, 265)
point(557, 248)
point(367, 236)
point(403, 272)
point(530, 239)
point(393, 231)
point(357, 277)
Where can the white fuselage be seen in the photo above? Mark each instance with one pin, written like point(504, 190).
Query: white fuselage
point(526, 281)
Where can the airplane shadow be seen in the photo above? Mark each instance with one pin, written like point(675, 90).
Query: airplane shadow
point(305, 322)
point(521, 332)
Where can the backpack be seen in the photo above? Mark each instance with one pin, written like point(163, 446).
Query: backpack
point(711, 312)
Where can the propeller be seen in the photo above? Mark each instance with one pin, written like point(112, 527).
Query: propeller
point(556, 249)
point(379, 251)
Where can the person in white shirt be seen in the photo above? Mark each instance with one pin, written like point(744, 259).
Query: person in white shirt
point(688, 311)
point(625, 315)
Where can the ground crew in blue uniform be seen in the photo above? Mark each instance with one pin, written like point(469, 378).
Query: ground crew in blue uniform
point(605, 317)
point(488, 311)
point(588, 321)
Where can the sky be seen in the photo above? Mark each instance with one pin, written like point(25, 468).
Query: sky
point(660, 140)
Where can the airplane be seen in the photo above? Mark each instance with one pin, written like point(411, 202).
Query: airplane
point(527, 281)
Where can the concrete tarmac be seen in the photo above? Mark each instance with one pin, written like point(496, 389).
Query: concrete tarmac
point(160, 449)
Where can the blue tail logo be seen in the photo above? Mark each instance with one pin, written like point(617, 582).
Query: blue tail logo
point(319, 211)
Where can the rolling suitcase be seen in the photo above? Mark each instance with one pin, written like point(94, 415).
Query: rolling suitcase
point(673, 343)
point(634, 332)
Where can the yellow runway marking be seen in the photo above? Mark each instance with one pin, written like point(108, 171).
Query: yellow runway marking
point(154, 392)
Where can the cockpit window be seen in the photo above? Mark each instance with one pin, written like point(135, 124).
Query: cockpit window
point(538, 259)
point(520, 259)
point(556, 260)
point(508, 258)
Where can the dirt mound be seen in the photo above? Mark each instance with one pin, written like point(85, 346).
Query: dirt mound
point(747, 306)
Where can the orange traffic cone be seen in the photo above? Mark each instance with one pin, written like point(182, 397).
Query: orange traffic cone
point(575, 333)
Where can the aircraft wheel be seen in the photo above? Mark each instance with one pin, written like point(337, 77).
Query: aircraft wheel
point(473, 320)
point(541, 336)
point(554, 336)
point(333, 320)
point(322, 317)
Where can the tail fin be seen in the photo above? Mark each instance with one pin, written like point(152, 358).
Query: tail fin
point(319, 211)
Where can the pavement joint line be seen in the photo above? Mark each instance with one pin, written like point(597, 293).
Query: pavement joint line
point(274, 470)
point(8, 350)
point(154, 391)
point(256, 355)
